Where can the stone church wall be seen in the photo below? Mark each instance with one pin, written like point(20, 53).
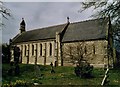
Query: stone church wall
point(95, 52)
point(36, 57)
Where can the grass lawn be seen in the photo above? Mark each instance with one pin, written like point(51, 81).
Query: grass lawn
point(63, 76)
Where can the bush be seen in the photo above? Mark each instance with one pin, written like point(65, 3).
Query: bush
point(83, 70)
point(6, 53)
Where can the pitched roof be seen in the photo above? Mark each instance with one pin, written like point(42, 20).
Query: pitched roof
point(38, 34)
point(86, 30)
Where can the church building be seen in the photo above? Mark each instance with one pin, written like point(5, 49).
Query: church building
point(50, 44)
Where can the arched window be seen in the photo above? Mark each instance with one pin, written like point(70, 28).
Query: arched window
point(40, 49)
point(93, 48)
point(21, 49)
point(28, 50)
point(25, 50)
point(85, 50)
point(32, 49)
point(50, 49)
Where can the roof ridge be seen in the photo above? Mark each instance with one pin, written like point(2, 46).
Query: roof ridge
point(46, 27)
point(86, 20)
point(62, 24)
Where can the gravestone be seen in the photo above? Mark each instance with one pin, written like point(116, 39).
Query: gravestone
point(52, 70)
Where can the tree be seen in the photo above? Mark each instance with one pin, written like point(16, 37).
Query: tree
point(111, 9)
point(77, 54)
point(106, 9)
point(5, 12)
point(5, 53)
point(16, 54)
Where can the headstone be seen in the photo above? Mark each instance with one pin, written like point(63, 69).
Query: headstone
point(52, 70)
point(37, 71)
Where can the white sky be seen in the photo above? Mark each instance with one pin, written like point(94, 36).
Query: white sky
point(41, 14)
point(44, 0)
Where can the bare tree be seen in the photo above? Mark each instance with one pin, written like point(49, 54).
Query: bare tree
point(76, 52)
point(5, 12)
point(107, 8)
point(111, 9)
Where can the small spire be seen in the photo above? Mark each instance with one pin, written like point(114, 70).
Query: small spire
point(68, 20)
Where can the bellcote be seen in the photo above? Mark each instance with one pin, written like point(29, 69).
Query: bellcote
point(22, 26)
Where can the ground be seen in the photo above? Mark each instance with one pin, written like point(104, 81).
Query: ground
point(29, 74)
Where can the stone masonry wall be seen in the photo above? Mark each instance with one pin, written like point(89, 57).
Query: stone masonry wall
point(36, 57)
point(96, 52)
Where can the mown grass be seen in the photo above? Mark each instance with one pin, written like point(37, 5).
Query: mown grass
point(63, 76)
point(114, 77)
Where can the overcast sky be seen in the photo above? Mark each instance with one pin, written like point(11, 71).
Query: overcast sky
point(41, 14)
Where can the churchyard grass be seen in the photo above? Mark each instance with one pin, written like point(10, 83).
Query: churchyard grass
point(63, 75)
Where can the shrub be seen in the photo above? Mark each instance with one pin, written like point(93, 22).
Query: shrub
point(83, 70)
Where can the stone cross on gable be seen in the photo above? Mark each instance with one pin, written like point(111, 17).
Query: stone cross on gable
point(68, 19)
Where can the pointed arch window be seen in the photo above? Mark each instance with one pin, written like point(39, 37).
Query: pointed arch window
point(25, 50)
point(21, 49)
point(50, 49)
point(32, 49)
point(40, 49)
point(85, 50)
point(93, 49)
